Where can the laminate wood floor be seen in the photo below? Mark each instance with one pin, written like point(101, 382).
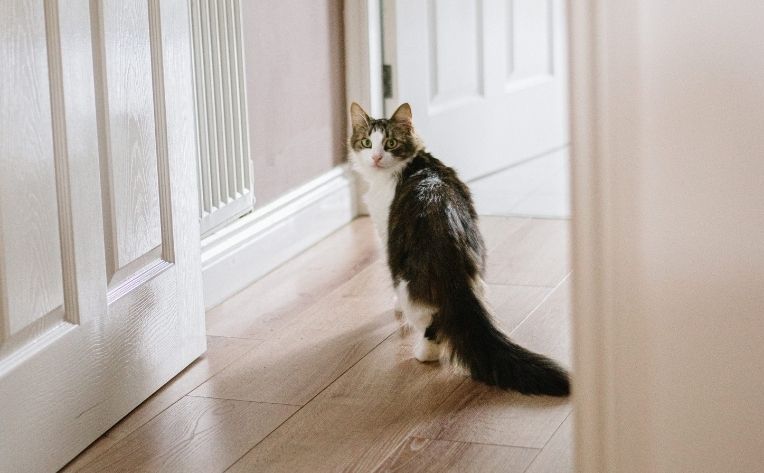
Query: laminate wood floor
point(309, 370)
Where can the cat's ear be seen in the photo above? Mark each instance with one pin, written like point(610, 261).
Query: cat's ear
point(402, 114)
point(358, 116)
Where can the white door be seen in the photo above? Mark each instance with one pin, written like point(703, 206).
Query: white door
point(486, 79)
point(100, 297)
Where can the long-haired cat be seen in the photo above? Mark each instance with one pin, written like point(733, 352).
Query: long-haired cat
point(427, 223)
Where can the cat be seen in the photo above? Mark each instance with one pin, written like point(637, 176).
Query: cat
point(428, 226)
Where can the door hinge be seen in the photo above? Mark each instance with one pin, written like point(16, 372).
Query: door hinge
point(387, 81)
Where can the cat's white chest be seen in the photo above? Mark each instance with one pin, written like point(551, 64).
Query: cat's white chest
point(378, 199)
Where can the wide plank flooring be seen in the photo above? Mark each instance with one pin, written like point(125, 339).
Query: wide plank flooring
point(309, 370)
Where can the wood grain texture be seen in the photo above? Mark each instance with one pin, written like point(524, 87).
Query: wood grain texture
point(83, 379)
point(220, 353)
point(77, 156)
point(537, 254)
point(557, 454)
point(437, 456)
point(179, 124)
point(259, 310)
point(355, 423)
point(29, 236)
point(308, 350)
point(131, 134)
point(194, 435)
point(477, 413)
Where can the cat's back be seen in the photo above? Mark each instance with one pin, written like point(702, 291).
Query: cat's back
point(433, 219)
point(428, 185)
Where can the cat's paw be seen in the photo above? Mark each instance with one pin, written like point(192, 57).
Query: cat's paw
point(425, 350)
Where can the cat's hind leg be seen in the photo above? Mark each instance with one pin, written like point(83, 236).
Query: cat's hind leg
point(420, 317)
point(426, 347)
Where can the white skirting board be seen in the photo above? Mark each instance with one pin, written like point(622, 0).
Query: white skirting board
point(257, 243)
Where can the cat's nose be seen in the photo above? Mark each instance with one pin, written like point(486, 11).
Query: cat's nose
point(377, 158)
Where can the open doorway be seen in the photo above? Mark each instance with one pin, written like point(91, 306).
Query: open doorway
point(317, 336)
point(487, 83)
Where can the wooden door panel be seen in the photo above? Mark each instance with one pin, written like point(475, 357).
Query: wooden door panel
point(485, 78)
point(134, 165)
point(129, 135)
point(530, 39)
point(33, 296)
point(127, 321)
point(455, 51)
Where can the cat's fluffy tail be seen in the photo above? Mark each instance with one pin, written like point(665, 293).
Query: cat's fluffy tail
point(466, 326)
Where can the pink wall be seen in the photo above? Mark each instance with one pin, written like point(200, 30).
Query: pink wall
point(295, 85)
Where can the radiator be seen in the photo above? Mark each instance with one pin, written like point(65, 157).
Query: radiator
point(224, 167)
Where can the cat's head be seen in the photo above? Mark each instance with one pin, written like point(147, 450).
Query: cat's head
point(382, 145)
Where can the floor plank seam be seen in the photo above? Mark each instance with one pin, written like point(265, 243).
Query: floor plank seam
point(477, 443)
point(540, 304)
point(306, 308)
point(245, 400)
point(284, 263)
point(310, 400)
point(238, 338)
point(119, 441)
point(547, 442)
point(261, 440)
point(299, 311)
point(409, 433)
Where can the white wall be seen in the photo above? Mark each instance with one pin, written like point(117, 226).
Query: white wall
point(668, 132)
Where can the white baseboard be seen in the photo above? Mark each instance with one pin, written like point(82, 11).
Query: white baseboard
point(255, 244)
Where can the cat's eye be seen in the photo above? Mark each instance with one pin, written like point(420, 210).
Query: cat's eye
point(366, 143)
point(391, 143)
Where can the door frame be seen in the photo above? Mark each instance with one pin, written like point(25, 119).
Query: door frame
point(363, 41)
point(363, 75)
point(605, 131)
